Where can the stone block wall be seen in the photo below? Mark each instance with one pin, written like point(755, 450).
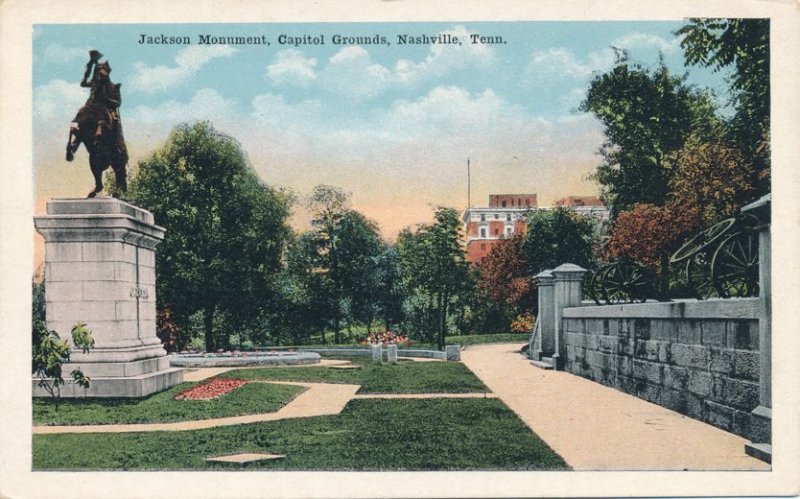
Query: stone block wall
point(699, 358)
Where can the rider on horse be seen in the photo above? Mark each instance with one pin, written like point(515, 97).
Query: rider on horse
point(101, 108)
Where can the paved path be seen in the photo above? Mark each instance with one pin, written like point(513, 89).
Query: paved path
point(320, 399)
point(201, 373)
point(594, 427)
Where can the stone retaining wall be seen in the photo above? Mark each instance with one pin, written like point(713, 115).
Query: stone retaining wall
point(699, 358)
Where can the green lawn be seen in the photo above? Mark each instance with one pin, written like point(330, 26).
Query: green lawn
point(426, 434)
point(252, 398)
point(480, 339)
point(404, 377)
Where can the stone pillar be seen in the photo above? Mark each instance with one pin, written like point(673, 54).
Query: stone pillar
point(567, 292)
point(546, 317)
point(391, 354)
point(376, 352)
point(761, 417)
point(452, 352)
point(100, 269)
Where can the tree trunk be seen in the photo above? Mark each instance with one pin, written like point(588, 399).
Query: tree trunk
point(208, 327)
point(442, 312)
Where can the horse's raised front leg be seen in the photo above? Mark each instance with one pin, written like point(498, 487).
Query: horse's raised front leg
point(72, 142)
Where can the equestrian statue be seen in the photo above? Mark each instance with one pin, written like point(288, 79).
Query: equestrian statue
point(98, 127)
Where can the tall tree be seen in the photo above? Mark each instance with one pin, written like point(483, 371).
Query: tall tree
point(555, 237)
point(742, 44)
point(226, 229)
point(505, 278)
point(434, 263)
point(647, 115)
point(346, 246)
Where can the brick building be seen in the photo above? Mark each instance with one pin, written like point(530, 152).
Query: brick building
point(590, 206)
point(504, 217)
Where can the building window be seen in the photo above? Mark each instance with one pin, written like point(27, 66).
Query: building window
point(483, 246)
point(496, 216)
point(483, 217)
point(508, 217)
point(504, 204)
point(496, 232)
point(483, 232)
point(509, 230)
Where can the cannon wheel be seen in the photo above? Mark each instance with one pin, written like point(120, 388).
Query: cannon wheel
point(626, 282)
point(734, 268)
point(698, 276)
point(701, 240)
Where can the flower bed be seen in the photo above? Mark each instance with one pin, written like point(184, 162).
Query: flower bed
point(211, 390)
point(386, 338)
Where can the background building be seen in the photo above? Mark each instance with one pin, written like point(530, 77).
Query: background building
point(504, 217)
point(590, 206)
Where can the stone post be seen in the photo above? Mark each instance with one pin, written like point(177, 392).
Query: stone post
point(567, 292)
point(100, 270)
point(452, 352)
point(761, 417)
point(391, 354)
point(376, 352)
point(546, 318)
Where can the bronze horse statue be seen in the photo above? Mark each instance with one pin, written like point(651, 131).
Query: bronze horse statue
point(97, 126)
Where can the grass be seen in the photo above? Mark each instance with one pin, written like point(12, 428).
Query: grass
point(404, 377)
point(252, 398)
point(427, 434)
point(481, 339)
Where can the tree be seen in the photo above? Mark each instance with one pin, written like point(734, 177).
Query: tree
point(647, 115)
point(434, 263)
point(226, 230)
point(505, 278)
point(344, 249)
point(649, 234)
point(555, 237)
point(712, 179)
point(743, 44)
point(389, 291)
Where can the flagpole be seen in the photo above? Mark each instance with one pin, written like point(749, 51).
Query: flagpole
point(469, 185)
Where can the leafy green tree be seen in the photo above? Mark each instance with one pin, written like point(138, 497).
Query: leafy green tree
point(647, 115)
point(343, 248)
point(226, 230)
point(555, 237)
point(742, 44)
point(434, 263)
point(389, 290)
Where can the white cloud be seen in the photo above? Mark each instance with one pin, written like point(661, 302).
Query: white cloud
point(641, 40)
point(271, 109)
point(58, 100)
point(292, 67)
point(557, 62)
point(352, 72)
point(205, 104)
point(57, 53)
point(150, 79)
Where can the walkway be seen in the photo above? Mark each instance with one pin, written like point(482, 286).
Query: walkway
point(594, 427)
point(320, 399)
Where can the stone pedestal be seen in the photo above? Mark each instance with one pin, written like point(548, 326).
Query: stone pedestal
point(100, 269)
point(391, 354)
point(452, 353)
point(567, 292)
point(761, 417)
point(547, 325)
point(377, 354)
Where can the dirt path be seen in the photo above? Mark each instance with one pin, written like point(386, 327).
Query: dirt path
point(594, 427)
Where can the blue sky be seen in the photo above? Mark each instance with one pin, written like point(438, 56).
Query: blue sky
point(393, 124)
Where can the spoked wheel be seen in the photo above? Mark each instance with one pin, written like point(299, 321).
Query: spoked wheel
point(698, 276)
point(627, 282)
point(734, 268)
point(702, 240)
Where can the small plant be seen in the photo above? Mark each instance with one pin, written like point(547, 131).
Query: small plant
point(523, 323)
point(50, 353)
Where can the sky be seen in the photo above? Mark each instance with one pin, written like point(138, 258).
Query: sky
point(391, 123)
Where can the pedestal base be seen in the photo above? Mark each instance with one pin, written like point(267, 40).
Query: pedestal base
point(761, 434)
point(118, 387)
